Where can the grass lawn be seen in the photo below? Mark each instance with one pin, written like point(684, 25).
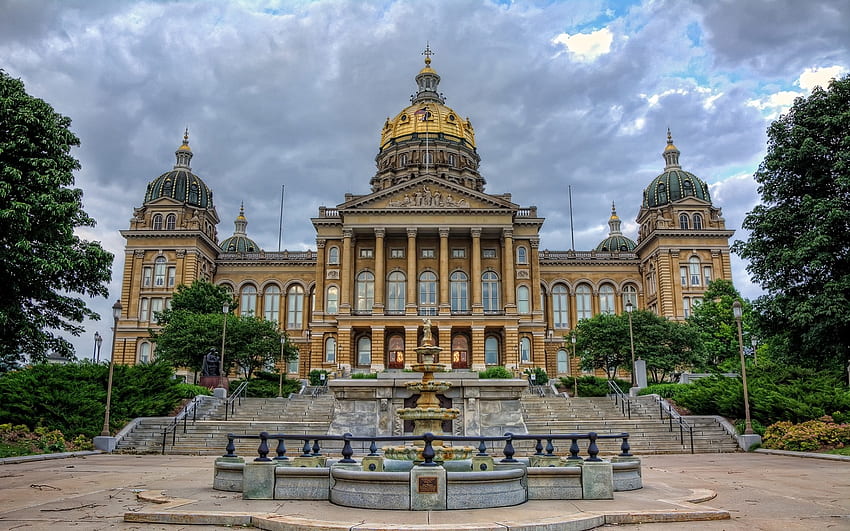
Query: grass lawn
point(839, 451)
point(14, 450)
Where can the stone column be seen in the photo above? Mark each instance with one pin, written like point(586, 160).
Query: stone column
point(411, 272)
point(378, 350)
point(444, 301)
point(380, 275)
point(320, 277)
point(477, 349)
point(510, 275)
point(344, 354)
point(410, 344)
point(444, 334)
point(346, 271)
point(534, 264)
point(475, 280)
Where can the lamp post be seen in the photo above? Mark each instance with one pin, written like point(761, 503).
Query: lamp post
point(629, 308)
point(737, 311)
point(225, 309)
point(116, 313)
point(575, 379)
point(755, 343)
point(98, 341)
point(280, 370)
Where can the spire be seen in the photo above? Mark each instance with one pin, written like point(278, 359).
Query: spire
point(671, 154)
point(427, 80)
point(614, 222)
point(241, 222)
point(184, 153)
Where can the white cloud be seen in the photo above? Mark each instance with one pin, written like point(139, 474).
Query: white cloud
point(586, 47)
point(776, 103)
point(813, 77)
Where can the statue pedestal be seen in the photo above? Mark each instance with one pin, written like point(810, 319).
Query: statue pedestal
point(211, 382)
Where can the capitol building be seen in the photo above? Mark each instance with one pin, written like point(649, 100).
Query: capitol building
point(425, 241)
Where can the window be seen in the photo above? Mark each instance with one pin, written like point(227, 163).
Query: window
point(683, 221)
point(521, 255)
point(144, 352)
point(364, 351)
point(367, 253)
point(171, 275)
point(683, 275)
point(697, 221)
point(170, 222)
point(706, 275)
point(559, 306)
point(525, 350)
point(630, 295)
point(584, 307)
point(458, 253)
point(688, 187)
point(428, 253)
point(452, 159)
point(365, 291)
point(271, 304)
point(563, 362)
point(490, 291)
point(395, 352)
point(144, 305)
point(333, 255)
point(428, 157)
point(332, 301)
point(606, 299)
point(156, 307)
point(460, 352)
point(396, 288)
point(522, 300)
point(147, 276)
point(402, 159)
point(293, 366)
point(248, 302)
point(428, 293)
point(159, 272)
point(397, 253)
point(488, 253)
point(295, 308)
point(157, 222)
point(330, 350)
point(491, 350)
point(686, 307)
point(693, 265)
point(459, 284)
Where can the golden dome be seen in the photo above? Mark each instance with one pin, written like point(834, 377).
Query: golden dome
point(429, 118)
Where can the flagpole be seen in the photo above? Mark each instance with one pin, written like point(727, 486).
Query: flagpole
point(572, 233)
point(280, 224)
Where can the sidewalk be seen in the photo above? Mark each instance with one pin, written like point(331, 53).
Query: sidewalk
point(95, 492)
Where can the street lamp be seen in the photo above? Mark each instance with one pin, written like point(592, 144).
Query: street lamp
point(755, 342)
point(225, 309)
point(575, 378)
point(629, 308)
point(116, 313)
point(98, 341)
point(737, 311)
point(280, 370)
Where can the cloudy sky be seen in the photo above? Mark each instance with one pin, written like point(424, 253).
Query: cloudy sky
point(294, 93)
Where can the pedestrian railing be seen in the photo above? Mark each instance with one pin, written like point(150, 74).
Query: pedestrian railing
point(189, 410)
point(620, 399)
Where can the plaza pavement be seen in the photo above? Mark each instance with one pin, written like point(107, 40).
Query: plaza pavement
point(751, 491)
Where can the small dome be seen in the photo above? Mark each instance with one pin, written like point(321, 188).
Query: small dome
point(675, 183)
point(240, 242)
point(180, 183)
point(615, 242)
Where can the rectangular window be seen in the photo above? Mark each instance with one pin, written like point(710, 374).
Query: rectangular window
point(488, 253)
point(367, 253)
point(172, 274)
point(459, 253)
point(396, 253)
point(427, 253)
point(156, 307)
point(686, 307)
point(706, 273)
point(147, 277)
point(683, 273)
point(143, 309)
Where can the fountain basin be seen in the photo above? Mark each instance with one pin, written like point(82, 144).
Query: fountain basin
point(428, 413)
point(414, 453)
point(429, 387)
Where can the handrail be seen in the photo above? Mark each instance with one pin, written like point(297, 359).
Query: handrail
point(237, 395)
point(621, 399)
point(191, 407)
point(671, 414)
point(428, 452)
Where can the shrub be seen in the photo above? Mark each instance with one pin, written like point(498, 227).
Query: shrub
point(316, 378)
point(664, 390)
point(495, 372)
point(540, 376)
point(822, 433)
point(266, 384)
point(364, 376)
point(592, 386)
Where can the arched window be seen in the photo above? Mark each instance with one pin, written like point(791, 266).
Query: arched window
point(459, 284)
point(662, 193)
point(170, 222)
point(563, 362)
point(396, 289)
point(491, 350)
point(144, 352)
point(248, 302)
point(271, 304)
point(693, 269)
point(460, 352)
point(606, 299)
point(559, 306)
point(697, 222)
point(159, 272)
point(295, 308)
point(365, 291)
point(521, 255)
point(333, 255)
point(522, 300)
point(364, 351)
point(330, 350)
point(332, 301)
point(395, 352)
point(684, 222)
point(193, 193)
point(525, 350)
point(490, 291)
point(688, 188)
point(630, 295)
point(157, 222)
point(427, 293)
point(584, 304)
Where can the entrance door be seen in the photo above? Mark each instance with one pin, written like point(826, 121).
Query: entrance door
point(460, 352)
point(395, 352)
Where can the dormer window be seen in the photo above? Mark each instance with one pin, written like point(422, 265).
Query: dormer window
point(157, 222)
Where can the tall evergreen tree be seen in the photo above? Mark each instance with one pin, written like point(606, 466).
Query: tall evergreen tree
point(799, 243)
point(42, 262)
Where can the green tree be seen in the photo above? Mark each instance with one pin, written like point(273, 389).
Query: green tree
point(602, 342)
point(800, 233)
point(715, 323)
point(42, 262)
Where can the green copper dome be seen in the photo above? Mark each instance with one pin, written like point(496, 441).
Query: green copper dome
point(240, 242)
point(615, 242)
point(180, 183)
point(675, 183)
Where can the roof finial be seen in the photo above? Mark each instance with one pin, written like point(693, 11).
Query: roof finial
point(428, 53)
point(671, 153)
point(669, 136)
point(184, 152)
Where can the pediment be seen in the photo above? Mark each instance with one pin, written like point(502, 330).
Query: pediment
point(428, 193)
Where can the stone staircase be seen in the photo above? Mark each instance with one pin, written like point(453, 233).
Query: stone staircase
point(297, 414)
point(648, 434)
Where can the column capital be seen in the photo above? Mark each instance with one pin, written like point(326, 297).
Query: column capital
point(507, 233)
point(475, 231)
point(444, 232)
point(411, 232)
point(139, 253)
point(320, 243)
point(380, 232)
point(534, 242)
point(347, 232)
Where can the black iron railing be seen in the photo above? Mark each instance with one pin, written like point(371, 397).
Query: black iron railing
point(672, 416)
point(620, 399)
point(235, 398)
point(189, 410)
point(314, 449)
